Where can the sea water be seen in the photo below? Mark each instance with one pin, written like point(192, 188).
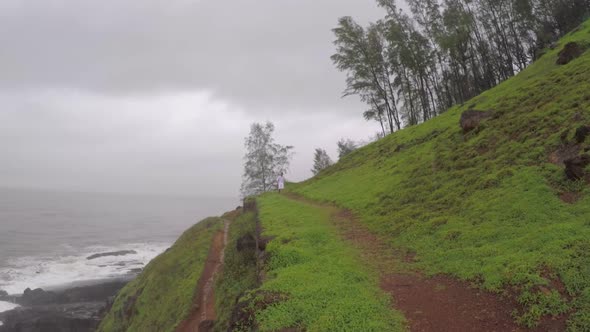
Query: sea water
point(47, 237)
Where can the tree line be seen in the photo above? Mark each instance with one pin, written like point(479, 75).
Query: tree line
point(265, 159)
point(410, 67)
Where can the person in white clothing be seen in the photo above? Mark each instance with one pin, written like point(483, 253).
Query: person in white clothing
point(281, 182)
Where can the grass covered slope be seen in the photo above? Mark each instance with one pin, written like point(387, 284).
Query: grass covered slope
point(239, 272)
point(162, 296)
point(485, 206)
point(322, 284)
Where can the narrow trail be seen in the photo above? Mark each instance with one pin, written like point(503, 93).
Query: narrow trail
point(436, 304)
point(203, 315)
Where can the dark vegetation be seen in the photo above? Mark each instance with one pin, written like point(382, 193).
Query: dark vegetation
point(410, 68)
point(239, 273)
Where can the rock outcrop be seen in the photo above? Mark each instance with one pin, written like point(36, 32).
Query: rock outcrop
point(569, 52)
point(76, 309)
point(471, 119)
point(80, 317)
point(575, 167)
point(114, 253)
point(37, 297)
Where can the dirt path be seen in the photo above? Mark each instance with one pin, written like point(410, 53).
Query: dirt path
point(433, 304)
point(203, 315)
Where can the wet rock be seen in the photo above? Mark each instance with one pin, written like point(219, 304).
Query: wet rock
point(114, 253)
point(82, 317)
point(93, 293)
point(246, 243)
point(575, 167)
point(3, 294)
point(37, 297)
point(582, 133)
point(470, 120)
point(569, 52)
point(74, 309)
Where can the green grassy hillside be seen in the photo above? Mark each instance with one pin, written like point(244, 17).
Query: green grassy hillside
point(321, 281)
point(162, 296)
point(485, 206)
point(239, 272)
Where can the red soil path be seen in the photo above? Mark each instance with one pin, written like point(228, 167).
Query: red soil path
point(436, 304)
point(440, 303)
point(203, 315)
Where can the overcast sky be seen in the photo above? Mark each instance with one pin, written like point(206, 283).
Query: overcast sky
point(157, 96)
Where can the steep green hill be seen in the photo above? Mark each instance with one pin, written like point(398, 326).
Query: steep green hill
point(162, 296)
point(492, 205)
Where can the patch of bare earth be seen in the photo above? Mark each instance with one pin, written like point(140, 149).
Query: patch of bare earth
point(203, 316)
point(438, 303)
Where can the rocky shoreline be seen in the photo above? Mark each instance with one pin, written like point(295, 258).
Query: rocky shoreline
point(76, 309)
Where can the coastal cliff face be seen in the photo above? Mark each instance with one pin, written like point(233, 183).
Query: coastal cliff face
point(161, 297)
point(171, 293)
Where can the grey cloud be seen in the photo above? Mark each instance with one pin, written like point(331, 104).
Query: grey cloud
point(157, 96)
point(262, 53)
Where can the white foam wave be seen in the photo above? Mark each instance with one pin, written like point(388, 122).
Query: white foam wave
point(51, 272)
point(5, 306)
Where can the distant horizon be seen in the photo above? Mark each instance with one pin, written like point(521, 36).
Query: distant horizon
point(141, 194)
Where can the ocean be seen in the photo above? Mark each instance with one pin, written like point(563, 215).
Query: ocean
point(46, 237)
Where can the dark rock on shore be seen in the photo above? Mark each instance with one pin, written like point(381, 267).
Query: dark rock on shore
point(77, 309)
point(37, 297)
point(93, 293)
point(114, 253)
point(80, 317)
